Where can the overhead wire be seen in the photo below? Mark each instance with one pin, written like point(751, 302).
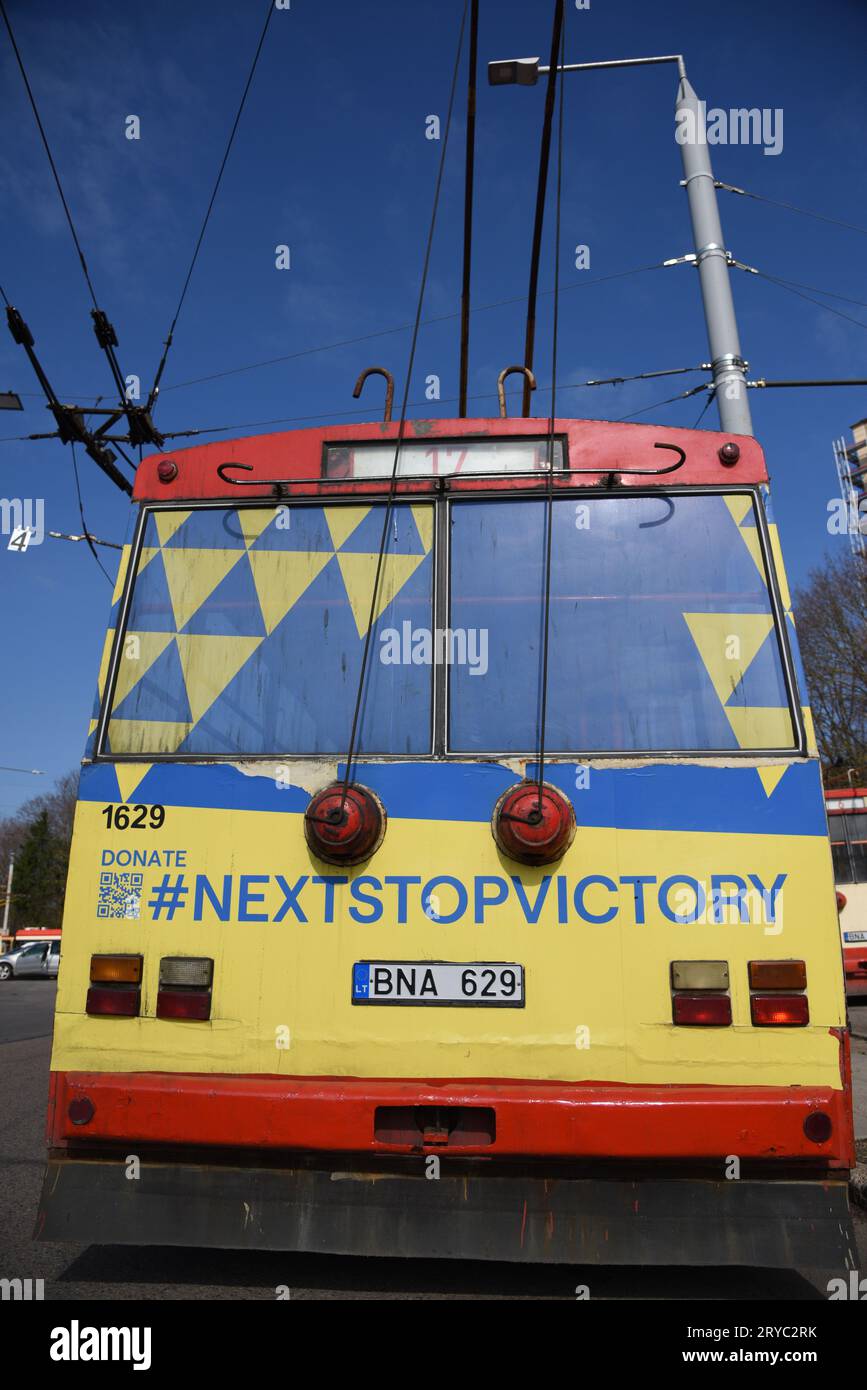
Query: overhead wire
point(389, 507)
point(370, 410)
point(84, 525)
point(400, 328)
point(790, 207)
point(51, 162)
point(549, 495)
point(168, 342)
point(829, 308)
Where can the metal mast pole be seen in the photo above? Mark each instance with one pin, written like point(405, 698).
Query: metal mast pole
point(8, 894)
point(729, 377)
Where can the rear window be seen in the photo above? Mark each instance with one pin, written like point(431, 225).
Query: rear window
point(246, 629)
point(662, 630)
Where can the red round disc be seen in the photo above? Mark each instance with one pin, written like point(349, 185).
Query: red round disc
point(344, 828)
point(530, 828)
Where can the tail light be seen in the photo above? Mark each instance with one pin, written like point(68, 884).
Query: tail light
point(115, 970)
point(699, 974)
point(185, 988)
point(779, 1010)
point(703, 1010)
point(700, 997)
point(778, 974)
point(115, 986)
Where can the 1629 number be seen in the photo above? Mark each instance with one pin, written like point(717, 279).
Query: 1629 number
point(134, 817)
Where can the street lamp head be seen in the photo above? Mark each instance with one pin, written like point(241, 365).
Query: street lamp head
point(522, 72)
point(9, 400)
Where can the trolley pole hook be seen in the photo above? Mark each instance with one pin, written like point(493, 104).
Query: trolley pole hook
point(528, 376)
point(389, 387)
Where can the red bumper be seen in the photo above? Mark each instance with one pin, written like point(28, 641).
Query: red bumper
point(493, 1118)
point(855, 966)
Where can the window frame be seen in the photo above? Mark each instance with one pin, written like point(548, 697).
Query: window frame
point(441, 498)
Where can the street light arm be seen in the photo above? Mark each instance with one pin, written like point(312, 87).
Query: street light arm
point(525, 72)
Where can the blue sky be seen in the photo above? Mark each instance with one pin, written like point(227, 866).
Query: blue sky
point(331, 159)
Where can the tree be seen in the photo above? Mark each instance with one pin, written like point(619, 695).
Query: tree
point(39, 881)
point(831, 615)
point(39, 835)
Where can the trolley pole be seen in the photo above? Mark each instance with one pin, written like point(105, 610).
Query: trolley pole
point(729, 374)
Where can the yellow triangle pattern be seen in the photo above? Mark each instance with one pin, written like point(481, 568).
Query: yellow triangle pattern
point(208, 664)
point(146, 735)
point(770, 777)
point(759, 727)
point(253, 521)
point(750, 537)
point(342, 521)
point(192, 581)
point(712, 634)
point(131, 668)
point(738, 504)
point(809, 728)
point(423, 518)
point(121, 574)
point(780, 568)
point(130, 776)
point(146, 554)
point(168, 523)
point(281, 576)
point(359, 574)
point(740, 507)
point(103, 665)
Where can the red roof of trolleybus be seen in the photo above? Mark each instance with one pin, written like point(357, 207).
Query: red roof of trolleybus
point(295, 457)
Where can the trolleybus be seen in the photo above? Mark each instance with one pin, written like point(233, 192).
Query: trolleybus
point(446, 1003)
point(847, 824)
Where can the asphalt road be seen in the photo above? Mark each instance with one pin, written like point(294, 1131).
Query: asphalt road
point(79, 1272)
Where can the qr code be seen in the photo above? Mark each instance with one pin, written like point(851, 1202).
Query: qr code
point(120, 895)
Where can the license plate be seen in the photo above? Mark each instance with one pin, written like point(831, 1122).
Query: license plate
point(474, 984)
point(855, 936)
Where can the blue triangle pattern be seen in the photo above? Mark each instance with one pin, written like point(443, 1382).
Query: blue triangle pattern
point(209, 528)
point(367, 536)
point(296, 528)
point(160, 694)
point(151, 609)
point(232, 610)
point(761, 686)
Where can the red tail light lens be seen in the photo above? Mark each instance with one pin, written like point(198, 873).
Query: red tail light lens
point(703, 1010)
point(185, 987)
point(184, 1003)
point(117, 1003)
point(779, 1010)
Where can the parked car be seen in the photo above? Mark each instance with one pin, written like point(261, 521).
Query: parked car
point(35, 958)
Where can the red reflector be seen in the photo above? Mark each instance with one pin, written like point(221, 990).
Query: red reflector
point(818, 1127)
point(703, 1010)
point(119, 1002)
point(184, 1003)
point(81, 1110)
point(780, 1010)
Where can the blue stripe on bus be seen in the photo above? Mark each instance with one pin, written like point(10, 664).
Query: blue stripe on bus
point(643, 797)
